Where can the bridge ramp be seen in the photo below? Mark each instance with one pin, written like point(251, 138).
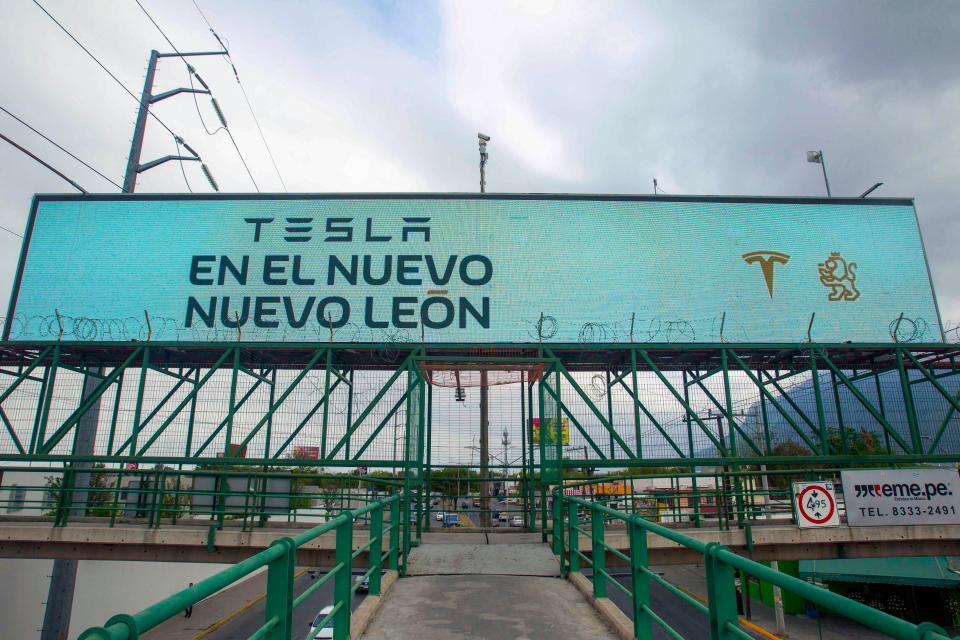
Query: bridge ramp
point(484, 587)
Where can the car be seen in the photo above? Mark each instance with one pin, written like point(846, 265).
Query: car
point(517, 521)
point(363, 586)
point(316, 631)
point(451, 520)
point(503, 517)
point(439, 516)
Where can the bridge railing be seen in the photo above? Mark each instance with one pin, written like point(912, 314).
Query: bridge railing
point(280, 559)
point(164, 495)
point(720, 564)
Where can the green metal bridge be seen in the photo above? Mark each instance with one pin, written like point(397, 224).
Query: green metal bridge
point(231, 434)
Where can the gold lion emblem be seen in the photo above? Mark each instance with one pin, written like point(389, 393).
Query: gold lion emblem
point(839, 276)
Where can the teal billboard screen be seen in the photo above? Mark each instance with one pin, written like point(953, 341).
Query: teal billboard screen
point(465, 268)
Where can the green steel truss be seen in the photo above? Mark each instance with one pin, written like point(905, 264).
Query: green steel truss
point(273, 404)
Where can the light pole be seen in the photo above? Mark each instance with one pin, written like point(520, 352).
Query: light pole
point(816, 157)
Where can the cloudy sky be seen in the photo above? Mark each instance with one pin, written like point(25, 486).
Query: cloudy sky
point(709, 98)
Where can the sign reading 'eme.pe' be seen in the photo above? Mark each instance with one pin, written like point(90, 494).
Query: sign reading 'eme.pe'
point(493, 268)
point(901, 496)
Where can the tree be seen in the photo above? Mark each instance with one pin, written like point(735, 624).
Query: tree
point(99, 497)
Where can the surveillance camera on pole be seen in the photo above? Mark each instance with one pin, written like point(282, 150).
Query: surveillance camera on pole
point(484, 139)
point(816, 157)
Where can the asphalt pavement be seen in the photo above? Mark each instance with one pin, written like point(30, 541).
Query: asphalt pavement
point(465, 506)
point(683, 617)
point(245, 624)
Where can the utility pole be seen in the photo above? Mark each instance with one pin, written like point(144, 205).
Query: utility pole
point(484, 391)
point(147, 98)
point(63, 577)
point(484, 451)
point(505, 441)
point(136, 145)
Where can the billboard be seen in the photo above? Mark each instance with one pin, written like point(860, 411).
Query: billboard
point(471, 268)
point(551, 431)
point(901, 496)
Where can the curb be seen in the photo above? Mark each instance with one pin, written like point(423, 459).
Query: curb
point(360, 619)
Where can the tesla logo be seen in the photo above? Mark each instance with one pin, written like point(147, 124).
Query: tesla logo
point(766, 259)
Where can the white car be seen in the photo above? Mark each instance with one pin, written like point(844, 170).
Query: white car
point(516, 521)
point(440, 516)
point(316, 631)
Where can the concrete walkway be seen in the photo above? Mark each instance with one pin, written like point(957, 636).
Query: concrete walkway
point(482, 607)
point(482, 559)
point(481, 585)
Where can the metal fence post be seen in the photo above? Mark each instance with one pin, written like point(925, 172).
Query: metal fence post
point(721, 594)
point(598, 553)
point(573, 543)
point(394, 534)
point(642, 627)
point(343, 580)
point(279, 604)
point(557, 509)
point(376, 549)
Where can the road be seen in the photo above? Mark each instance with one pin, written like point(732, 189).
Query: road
point(687, 621)
point(244, 625)
point(466, 507)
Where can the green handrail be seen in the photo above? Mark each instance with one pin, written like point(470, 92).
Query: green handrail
point(719, 561)
point(280, 560)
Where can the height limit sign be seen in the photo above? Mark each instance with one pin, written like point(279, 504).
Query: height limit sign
point(815, 504)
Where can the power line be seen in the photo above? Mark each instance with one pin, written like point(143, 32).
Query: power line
point(10, 232)
point(44, 163)
point(230, 133)
point(182, 170)
point(21, 121)
point(215, 106)
point(246, 98)
point(101, 65)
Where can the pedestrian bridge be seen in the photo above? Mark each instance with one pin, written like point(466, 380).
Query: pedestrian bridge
point(199, 541)
point(495, 585)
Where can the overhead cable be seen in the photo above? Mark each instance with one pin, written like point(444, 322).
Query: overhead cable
point(216, 106)
point(87, 165)
point(44, 163)
point(243, 91)
point(102, 66)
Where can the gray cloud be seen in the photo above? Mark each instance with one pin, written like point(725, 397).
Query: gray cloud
point(709, 98)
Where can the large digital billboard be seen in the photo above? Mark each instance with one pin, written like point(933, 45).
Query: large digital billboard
point(472, 268)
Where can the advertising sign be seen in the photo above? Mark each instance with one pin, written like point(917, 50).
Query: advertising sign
point(304, 452)
point(492, 268)
point(901, 496)
point(551, 431)
point(815, 504)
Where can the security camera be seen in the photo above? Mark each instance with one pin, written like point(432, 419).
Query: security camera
point(483, 137)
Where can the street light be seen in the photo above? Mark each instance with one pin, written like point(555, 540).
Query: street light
point(816, 157)
point(870, 190)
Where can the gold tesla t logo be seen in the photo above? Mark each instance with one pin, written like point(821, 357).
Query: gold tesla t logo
point(766, 259)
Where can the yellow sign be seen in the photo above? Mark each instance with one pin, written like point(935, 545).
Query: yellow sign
point(551, 431)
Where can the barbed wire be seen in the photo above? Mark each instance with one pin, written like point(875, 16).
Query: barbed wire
point(717, 328)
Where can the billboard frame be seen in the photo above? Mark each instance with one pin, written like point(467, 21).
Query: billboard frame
point(585, 197)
